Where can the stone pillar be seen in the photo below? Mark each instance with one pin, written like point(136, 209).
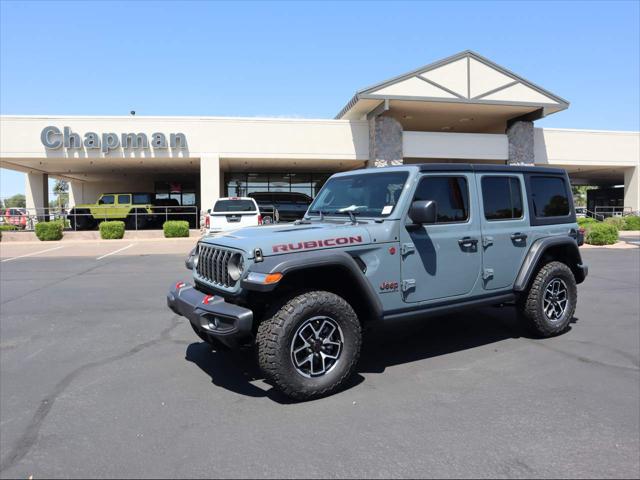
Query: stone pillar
point(632, 188)
point(520, 136)
point(385, 142)
point(37, 194)
point(209, 181)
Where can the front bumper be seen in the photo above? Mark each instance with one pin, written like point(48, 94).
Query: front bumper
point(211, 314)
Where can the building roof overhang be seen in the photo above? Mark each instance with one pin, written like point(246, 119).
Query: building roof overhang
point(458, 82)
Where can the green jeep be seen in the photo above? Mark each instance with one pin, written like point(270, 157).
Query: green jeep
point(136, 209)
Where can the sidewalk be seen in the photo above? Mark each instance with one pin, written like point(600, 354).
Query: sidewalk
point(92, 235)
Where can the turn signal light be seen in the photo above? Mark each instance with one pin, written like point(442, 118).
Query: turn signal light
point(206, 221)
point(272, 278)
point(259, 219)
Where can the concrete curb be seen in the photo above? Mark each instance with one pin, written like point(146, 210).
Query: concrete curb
point(30, 237)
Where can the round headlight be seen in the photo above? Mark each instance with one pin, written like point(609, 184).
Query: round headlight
point(236, 267)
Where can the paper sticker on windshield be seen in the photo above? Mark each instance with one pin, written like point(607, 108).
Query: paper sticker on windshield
point(387, 209)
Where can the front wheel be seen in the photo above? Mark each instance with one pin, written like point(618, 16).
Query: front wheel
point(311, 346)
point(549, 304)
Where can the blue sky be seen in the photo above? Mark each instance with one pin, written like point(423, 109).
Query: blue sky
point(303, 59)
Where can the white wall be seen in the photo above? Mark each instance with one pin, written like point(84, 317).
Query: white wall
point(586, 147)
point(464, 146)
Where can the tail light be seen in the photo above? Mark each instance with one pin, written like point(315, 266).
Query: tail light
point(206, 221)
point(259, 219)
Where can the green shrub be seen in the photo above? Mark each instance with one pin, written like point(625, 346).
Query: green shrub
point(175, 228)
point(601, 234)
point(7, 227)
point(46, 231)
point(632, 222)
point(583, 222)
point(617, 222)
point(111, 230)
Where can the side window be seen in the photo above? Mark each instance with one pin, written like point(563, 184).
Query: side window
point(106, 200)
point(124, 199)
point(502, 198)
point(549, 196)
point(451, 195)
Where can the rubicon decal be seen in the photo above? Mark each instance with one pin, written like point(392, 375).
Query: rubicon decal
point(311, 244)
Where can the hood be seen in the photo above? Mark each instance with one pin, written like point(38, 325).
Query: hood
point(290, 238)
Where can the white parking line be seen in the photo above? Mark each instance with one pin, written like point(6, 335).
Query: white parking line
point(112, 253)
point(33, 253)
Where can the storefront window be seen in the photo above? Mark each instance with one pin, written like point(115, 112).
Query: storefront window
point(241, 184)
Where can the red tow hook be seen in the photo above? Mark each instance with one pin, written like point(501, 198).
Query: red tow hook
point(208, 299)
point(179, 285)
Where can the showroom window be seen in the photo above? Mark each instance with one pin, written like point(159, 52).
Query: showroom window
point(183, 192)
point(241, 184)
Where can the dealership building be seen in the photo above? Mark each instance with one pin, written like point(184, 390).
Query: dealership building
point(464, 108)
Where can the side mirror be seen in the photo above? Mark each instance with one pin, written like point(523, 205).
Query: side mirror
point(423, 211)
point(209, 210)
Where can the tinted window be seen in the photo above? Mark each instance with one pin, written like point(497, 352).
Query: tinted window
point(368, 195)
point(549, 196)
point(124, 199)
point(141, 199)
point(261, 197)
point(106, 200)
point(234, 206)
point(451, 195)
point(502, 198)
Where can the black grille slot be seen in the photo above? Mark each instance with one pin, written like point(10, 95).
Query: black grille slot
point(213, 265)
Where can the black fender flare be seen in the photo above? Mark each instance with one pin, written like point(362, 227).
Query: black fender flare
point(295, 262)
point(536, 252)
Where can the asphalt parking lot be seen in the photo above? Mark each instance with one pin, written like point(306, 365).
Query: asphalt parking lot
point(99, 379)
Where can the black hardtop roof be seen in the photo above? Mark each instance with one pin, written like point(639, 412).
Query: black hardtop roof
point(479, 167)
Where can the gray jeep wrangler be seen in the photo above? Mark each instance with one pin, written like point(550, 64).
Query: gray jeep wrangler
point(385, 245)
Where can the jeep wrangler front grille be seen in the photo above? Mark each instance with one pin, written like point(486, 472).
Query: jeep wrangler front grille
point(213, 265)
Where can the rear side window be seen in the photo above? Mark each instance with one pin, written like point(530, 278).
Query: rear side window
point(451, 195)
point(124, 199)
point(549, 195)
point(222, 206)
point(502, 198)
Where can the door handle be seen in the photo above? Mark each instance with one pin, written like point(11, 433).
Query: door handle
point(518, 237)
point(468, 242)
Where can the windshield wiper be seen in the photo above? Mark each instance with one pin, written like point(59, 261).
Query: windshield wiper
point(352, 210)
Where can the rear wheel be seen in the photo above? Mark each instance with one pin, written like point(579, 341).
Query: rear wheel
point(548, 307)
point(81, 219)
point(310, 347)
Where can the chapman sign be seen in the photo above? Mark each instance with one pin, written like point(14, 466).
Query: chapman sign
point(53, 138)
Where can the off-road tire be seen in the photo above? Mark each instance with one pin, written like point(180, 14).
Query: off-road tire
point(81, 219)
point(530, 305)
point(276, 333)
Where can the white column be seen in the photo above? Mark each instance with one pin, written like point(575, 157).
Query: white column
point(37, 191)
point(209, 180)
point(76, 193)
point(632, 188)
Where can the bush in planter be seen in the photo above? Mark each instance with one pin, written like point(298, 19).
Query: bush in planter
point(47, 231)
point(175, 228)
point(601, 234)
point(111, 230)
point(617, 222)
point(632, 222)
point(583, 222)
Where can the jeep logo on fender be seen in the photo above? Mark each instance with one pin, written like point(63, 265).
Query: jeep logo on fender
point(310, 244)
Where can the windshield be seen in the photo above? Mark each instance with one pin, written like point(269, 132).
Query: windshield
point(367, 195)
point(234, 206)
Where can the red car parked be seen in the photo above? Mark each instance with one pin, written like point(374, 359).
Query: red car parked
point(17, 217)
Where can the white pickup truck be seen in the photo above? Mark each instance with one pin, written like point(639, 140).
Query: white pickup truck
point(231, 213)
